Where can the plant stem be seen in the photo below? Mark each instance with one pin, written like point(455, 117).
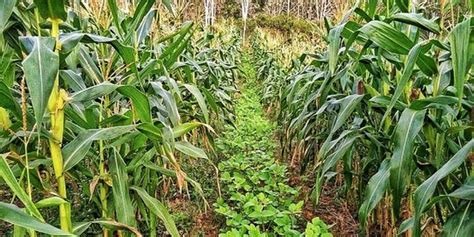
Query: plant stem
point(56, 110)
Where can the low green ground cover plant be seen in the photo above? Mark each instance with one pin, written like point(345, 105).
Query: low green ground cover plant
point(257, 200)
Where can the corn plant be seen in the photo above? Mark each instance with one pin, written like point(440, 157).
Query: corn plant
point(390, 100)
point(97, 114)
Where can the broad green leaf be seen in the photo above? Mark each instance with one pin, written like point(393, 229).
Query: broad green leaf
point(157, 208)
point(94, 92)
point(406, 75)
point(8, 102)
point(151, 131)
point(171, 173)
point(9, 178)
point(145, 26)
point(142, 8)
point(169, 5)
point(375, 190)
point(52, 9)
point(40, 67)
point(140, 102)
point(426, 190)
point(200, 99)
point(89, 67)
point(466, 191)
point(401, 164)
point(125, 213)
point(184, 128)
point(348, 105)
point(190, 150)
point(334, 46)
point(78, 148)
point(460, 224)
point(69, 41)
point(417, 20)
point(112, 4)
point(387, 37)
point(16, 216)
point(80, 228)
point(50, 202)
point(107, 223)
point(5, 12)
point(459, 40)
point(428, 102)
point(403, 5)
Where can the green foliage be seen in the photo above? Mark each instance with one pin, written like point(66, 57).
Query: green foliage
point(257, 201)
point(109, 109)
point(317, 228)
point(412, 118)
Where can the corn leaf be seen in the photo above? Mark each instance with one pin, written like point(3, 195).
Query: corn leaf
point(376, 188)
point(459, 40)
point(16, 216)
point(401, 164)
point(426, 190)
point(5, 12)
point(40, 67)
point(125, 212)
point(7, 175)
point(157, 208)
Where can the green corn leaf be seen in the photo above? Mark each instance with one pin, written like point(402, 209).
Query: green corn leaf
point(417, 20)
point(157, 208)
point(190, 150)
point(429, 102)
point(16, 216)
point(171, 173)
point(141, 10)
point(112, 4)
point(387, 37)
point(426, 190)
point(371, 7)
point(125, 212)
point(153, 132)
point(348, 105)
point(94, 92)
point(145, 26)
point(334, 45)
point(8, 102)
point(7, 175)
point(90, 69)
point(140, 102)
point(200, 99)
point(78, 148)
point(459, 40)
point(52, 9)
point(170, 6)
point(406, 75)
point(461, 224)
point(376, 188)
point(40, 67)
point(69, 41)
point(466, 191)
point(184, 128)
point(401, 164)
point(80, 228)
point(50, 202)
point(5, 12)
point(169, 102)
